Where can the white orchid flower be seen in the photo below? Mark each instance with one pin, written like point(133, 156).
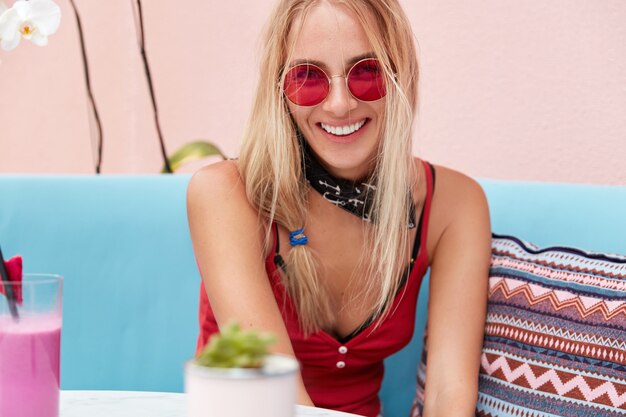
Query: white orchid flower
point(3, 8)
point(33, 20)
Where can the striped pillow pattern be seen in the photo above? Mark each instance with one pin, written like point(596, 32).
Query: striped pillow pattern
point(555, 337)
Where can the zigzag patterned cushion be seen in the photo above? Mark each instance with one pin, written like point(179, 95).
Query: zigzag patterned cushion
point(555, 337)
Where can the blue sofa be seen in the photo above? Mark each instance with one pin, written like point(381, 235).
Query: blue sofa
point(131, 283)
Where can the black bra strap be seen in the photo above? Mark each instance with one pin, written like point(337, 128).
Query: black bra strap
point(416, 242)
point(278, 260)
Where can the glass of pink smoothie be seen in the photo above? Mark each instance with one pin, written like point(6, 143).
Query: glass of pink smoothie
point(30, 349)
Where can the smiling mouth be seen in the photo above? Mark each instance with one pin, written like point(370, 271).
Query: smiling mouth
point(343, 130)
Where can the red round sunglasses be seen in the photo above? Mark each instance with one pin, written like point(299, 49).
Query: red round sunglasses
point(308, 85)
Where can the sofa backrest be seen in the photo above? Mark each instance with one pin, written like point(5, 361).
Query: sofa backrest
point(131, 283)
point(130, 279)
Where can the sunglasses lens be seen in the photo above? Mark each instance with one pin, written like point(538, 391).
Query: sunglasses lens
point(366, 80)
point(306, 85)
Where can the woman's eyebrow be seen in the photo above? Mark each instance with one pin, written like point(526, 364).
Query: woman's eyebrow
point(361, 57)
point(320, 64)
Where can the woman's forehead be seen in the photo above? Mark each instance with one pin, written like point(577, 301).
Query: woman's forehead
point(329, 33)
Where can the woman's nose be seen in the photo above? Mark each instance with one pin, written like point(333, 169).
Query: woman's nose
point(339, 100)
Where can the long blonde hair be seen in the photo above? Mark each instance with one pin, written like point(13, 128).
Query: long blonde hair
point(270, 158)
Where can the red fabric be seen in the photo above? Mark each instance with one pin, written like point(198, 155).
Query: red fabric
point(14, 270)
point(354, 387)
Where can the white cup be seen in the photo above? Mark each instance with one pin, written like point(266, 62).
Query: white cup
point(269, 391)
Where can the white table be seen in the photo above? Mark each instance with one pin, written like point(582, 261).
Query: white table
point(146, 404)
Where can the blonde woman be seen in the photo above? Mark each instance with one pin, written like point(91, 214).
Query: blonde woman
point(322, 231)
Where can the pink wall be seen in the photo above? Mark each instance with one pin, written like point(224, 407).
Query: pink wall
point(515, 90)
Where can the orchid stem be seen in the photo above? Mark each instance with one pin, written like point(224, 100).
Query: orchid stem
point(166, 163)
point(89, 91)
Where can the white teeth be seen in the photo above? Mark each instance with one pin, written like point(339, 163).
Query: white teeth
point(343, 130)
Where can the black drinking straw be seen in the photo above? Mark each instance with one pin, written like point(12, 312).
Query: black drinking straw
point(8, 289)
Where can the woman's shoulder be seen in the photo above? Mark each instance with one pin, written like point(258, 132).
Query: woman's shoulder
point(458, 186)
point(453, 186)
point(459, 205)
point(218, 187)
point(224, 174)
point(450, 183)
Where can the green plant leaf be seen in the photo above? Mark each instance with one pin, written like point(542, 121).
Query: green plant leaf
point(192, 152)
point(236, 348)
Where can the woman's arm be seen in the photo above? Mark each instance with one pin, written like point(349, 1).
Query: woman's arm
point(228, 236)
point(458, 295)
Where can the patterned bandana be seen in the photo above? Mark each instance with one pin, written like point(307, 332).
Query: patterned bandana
point(357, 198)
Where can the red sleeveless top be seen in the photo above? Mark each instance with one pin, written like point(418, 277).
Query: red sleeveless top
point(345, 375)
